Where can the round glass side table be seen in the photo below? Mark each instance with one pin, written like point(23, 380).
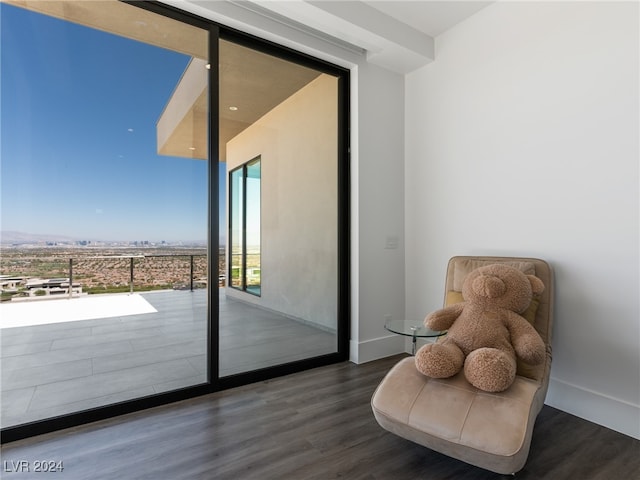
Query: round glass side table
point(412, 328)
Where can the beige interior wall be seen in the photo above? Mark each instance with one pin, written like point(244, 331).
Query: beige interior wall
point(297, 142)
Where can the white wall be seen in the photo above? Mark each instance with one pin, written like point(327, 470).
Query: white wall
point(522, 139)
point(377, 185)
point(298, 146)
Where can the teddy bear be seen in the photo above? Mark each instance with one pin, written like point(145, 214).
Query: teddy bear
point(486, 330)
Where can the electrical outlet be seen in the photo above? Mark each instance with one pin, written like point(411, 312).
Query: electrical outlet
point(391, 242)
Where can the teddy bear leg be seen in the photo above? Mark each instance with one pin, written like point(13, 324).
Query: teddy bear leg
point(490, 369)
point(439, 360)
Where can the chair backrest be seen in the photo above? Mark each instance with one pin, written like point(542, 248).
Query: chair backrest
point(541, 317)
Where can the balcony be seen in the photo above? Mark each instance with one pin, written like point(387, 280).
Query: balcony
point(58, 367)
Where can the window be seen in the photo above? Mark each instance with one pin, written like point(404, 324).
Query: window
point(244, 227)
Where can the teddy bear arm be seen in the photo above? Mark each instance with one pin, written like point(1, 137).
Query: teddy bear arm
point(526, 341)
point(443, 319)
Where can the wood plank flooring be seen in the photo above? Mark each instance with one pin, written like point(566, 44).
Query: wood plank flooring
point(315, 425)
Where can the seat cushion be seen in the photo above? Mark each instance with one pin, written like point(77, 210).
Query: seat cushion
point(464, 266)
point(491, 430)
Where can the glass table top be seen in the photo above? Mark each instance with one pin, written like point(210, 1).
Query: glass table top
point(412, 328)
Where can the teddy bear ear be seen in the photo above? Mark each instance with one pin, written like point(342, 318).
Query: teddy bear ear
point(537, 287)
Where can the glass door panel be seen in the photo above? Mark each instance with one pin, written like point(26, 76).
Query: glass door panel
point(104, 206)
point(279, 142)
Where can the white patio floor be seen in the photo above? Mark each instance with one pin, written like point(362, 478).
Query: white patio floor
point(58, 310)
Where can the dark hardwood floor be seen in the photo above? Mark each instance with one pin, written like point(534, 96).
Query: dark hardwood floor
point(313, 425)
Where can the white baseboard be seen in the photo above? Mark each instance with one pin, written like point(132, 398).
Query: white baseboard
point(369, 350)
point(595, 407)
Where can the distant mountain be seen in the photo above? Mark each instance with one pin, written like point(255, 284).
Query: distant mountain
point(9, 237)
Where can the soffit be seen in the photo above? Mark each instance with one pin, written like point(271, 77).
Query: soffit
point(253, 83)
point(125, 20)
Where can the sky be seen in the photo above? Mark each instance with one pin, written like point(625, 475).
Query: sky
point(78, 113)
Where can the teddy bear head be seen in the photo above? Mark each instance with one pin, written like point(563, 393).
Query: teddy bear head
point(501, 285)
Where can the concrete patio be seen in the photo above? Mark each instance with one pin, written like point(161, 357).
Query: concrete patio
point(59, 368)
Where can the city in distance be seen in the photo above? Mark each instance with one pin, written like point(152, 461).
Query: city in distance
point(43, 265)
point(22, 239)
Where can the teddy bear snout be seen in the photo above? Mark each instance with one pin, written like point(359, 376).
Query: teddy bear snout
point(489, 286)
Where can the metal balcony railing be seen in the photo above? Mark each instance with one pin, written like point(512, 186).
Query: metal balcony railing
point(169, 272)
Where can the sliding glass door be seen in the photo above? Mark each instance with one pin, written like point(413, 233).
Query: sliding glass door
point(174, 208)
point(279, 139)
point(105, 165)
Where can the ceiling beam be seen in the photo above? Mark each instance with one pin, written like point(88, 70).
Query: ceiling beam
point(386, 41)
point(349, 31)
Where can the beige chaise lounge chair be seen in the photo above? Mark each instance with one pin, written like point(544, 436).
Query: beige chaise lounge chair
point(490, 430)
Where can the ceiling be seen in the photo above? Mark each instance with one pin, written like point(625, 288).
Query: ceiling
point(395, 34)
point(429, 17)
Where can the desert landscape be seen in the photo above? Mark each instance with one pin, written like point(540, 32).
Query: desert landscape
point(108, 269)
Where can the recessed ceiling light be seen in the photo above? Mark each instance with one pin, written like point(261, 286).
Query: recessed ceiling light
point(192, 148)
point(208, 66)
point(233, 109)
